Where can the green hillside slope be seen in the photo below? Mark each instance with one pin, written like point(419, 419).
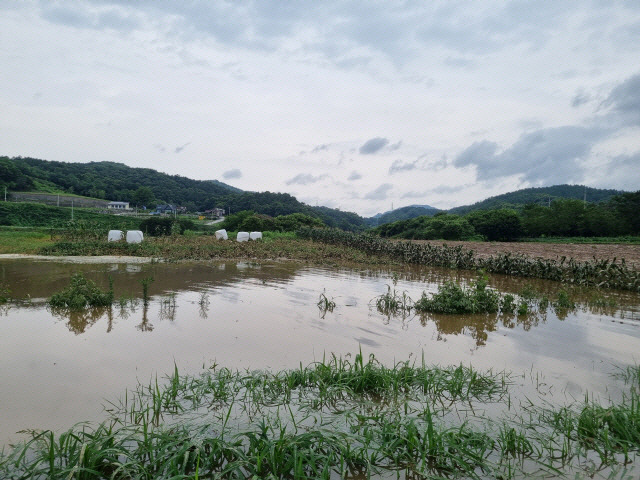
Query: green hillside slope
point(542, 195)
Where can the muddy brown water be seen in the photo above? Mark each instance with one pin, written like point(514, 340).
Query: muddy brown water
point(60, 368)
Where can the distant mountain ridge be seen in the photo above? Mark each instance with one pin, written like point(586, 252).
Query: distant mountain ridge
point(515, 200)
point(403, 213)
point(539, 195)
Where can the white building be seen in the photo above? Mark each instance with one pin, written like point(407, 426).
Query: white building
point(118, 206)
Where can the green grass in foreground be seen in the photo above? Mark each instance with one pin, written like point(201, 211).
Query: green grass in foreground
point(339, 418)
point(18, 240)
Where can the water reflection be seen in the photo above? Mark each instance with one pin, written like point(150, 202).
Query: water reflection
point(145, 325)
point(169, 281)
point(78, 321)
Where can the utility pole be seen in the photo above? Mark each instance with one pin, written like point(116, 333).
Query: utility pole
point(72, 210)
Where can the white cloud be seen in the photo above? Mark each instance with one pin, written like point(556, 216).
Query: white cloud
point(512, 93)
point(305, 179)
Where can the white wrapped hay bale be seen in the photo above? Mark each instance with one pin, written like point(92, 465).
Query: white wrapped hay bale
point(115, 236)
point(255, 235)
point(243, 236)
point(222, 235)
point(134, 236)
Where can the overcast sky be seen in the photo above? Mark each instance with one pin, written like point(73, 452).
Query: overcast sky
point(352, 105)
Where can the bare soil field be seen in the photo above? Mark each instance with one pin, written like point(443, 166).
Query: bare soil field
point(554, 251)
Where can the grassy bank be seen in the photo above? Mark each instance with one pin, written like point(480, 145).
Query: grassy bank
point(24, 240)
point(340, 418)
point(205, 247)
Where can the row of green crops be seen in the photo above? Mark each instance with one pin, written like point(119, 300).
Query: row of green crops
point(596, 273)
point(338, 418)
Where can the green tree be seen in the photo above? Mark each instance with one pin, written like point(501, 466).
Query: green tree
point(627, 207)
point(143, 196)
point(502, 225)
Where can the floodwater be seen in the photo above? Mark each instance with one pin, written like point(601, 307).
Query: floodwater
point(59, 368)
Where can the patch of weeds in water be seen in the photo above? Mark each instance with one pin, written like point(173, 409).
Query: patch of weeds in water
point(600, 301)
point(325, 305)
point(168, 307)
point(5, 294)
point(523, 308)
point(529, 293)
point(394, 303)
point(127, 300)
point(204, 302)
point(564, 302)
point(611, 430)
point(145, 289)
point(332, 419)
point(543, 304)
point(82, 293)
point(513, 442)
point(453, 298)
point(508, 303)
point(631, 376)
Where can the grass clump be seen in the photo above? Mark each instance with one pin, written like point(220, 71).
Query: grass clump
point(454, 298)
point(394, 303)
point(82, 293)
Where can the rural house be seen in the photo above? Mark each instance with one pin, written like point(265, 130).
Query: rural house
point(118, 206)
point(165, 210)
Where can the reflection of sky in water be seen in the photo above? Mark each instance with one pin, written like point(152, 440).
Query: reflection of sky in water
point(57, 369)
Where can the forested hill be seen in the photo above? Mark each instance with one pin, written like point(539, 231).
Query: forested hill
point(542, 196)
point(118, 182)
point(106, 180)
point(403, 213)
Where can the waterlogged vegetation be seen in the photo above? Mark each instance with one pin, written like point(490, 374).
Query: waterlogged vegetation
point(325, 304)
point(81, 294)
point(342, 417)
point(598, 273)
point(478, 298)
point(455, 298)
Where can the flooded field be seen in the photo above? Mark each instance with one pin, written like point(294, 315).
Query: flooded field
point(61, 368)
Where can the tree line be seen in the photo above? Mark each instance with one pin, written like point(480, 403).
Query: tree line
point(560, 218)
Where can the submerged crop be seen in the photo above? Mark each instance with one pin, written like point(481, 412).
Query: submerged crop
point(338, 418)
point(596, 273)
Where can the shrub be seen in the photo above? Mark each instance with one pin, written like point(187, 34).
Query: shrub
point(82, 293)
point(453, 298)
